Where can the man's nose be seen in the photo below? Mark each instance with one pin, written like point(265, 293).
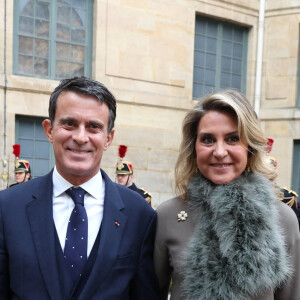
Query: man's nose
point(80, 135)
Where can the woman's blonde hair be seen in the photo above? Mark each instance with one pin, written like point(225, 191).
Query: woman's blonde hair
point(234, 102)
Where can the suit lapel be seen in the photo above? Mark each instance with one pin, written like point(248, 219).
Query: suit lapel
point(112, 229)
point(40, 216)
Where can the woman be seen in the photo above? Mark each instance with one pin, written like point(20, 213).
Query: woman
point(226, 236)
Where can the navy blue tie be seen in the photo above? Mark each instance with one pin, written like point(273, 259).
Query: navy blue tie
point(75, 252)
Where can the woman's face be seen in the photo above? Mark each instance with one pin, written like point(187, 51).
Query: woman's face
point(221, 155)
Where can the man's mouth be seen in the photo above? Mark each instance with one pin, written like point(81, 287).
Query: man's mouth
point(79, 151)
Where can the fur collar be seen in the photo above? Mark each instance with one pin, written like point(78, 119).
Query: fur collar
point(237, 249)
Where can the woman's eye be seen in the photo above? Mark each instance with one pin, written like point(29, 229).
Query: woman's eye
point(233, 139)
point(207, 140)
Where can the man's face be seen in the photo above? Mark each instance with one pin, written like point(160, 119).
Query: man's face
point(125, 179)
point(21, 177)
point(79, 136)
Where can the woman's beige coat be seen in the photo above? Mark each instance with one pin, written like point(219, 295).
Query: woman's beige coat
point(172, 237)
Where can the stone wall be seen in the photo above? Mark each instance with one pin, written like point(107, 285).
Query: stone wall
point(143, 52)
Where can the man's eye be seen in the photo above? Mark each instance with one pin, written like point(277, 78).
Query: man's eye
point(94, 126)
point(69, 123)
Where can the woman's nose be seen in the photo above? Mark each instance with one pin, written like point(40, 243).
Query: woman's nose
point(220, 150)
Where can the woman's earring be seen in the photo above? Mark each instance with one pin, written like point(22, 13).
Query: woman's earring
point(248, 168)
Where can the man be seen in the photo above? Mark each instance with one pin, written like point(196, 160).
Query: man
point(22, 171)
point(76, 207)
point(124, 171)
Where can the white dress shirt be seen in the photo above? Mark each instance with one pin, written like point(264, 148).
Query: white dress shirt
point(63, 206)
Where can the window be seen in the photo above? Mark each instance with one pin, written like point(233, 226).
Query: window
point(296, 167)
point(34, 145)
point(220, 56)
point(52, 39)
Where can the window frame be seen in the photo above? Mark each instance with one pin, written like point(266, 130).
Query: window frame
point(219, 38)
point(52, 42)
point(31, 159)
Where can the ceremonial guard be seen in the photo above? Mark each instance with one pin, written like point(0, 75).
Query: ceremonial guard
point(289, 196)
point(124, 172)
point(22, 167)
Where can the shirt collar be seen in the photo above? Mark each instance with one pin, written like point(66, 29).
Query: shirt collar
point(93, 186)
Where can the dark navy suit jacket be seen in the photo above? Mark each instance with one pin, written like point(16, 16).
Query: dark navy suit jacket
point(123, 267)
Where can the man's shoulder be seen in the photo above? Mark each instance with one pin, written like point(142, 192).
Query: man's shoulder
point(25, 188)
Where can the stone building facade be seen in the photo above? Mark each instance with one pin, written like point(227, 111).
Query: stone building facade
point(148, 52)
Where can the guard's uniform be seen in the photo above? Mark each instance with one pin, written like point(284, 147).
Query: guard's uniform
point(125, 168)
point(290, 198)
point(147, 196)
point(21, 166)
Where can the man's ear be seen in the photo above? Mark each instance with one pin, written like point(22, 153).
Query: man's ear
point(48, 129)
point(109, 139)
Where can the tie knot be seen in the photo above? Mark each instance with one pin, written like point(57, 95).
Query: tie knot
point(77, 194)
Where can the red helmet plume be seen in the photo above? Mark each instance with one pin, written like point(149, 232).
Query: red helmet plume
point(122, 151)
point(17, 150)
point(269, 145)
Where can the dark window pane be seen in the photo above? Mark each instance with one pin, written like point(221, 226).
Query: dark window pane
point(236, 81)
point(42, 148)
point(78, 36)
point(212, 29)
point(27, 147)
point(64, 14)
point(227, 33)
point(78, 53)
point(26, 25)
point(200, 27)
point(42, 28)
point(209, 77)
point(226, 64)
point(26, 129)
point(211, 45)
point(77, 69)
point(78, 17)
point(41, 66)
point(225, 80)
point(69, 2)
point(42, 10)
point(198, 75)
point(211, 61)
point(26, 45)
point(41, 48)
point(79, 3)
point(62, 51)
point(208, 90)
point(198, 91)
point(199, 59)
point(26, 8)
point(199, 42)
point(39, 131)
point(62, 69)
point(238, 35)
point(237, 66)
point(237, 50)
point(25, 64)
point(41, 166)
point(226, 48)
point(63, 32)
